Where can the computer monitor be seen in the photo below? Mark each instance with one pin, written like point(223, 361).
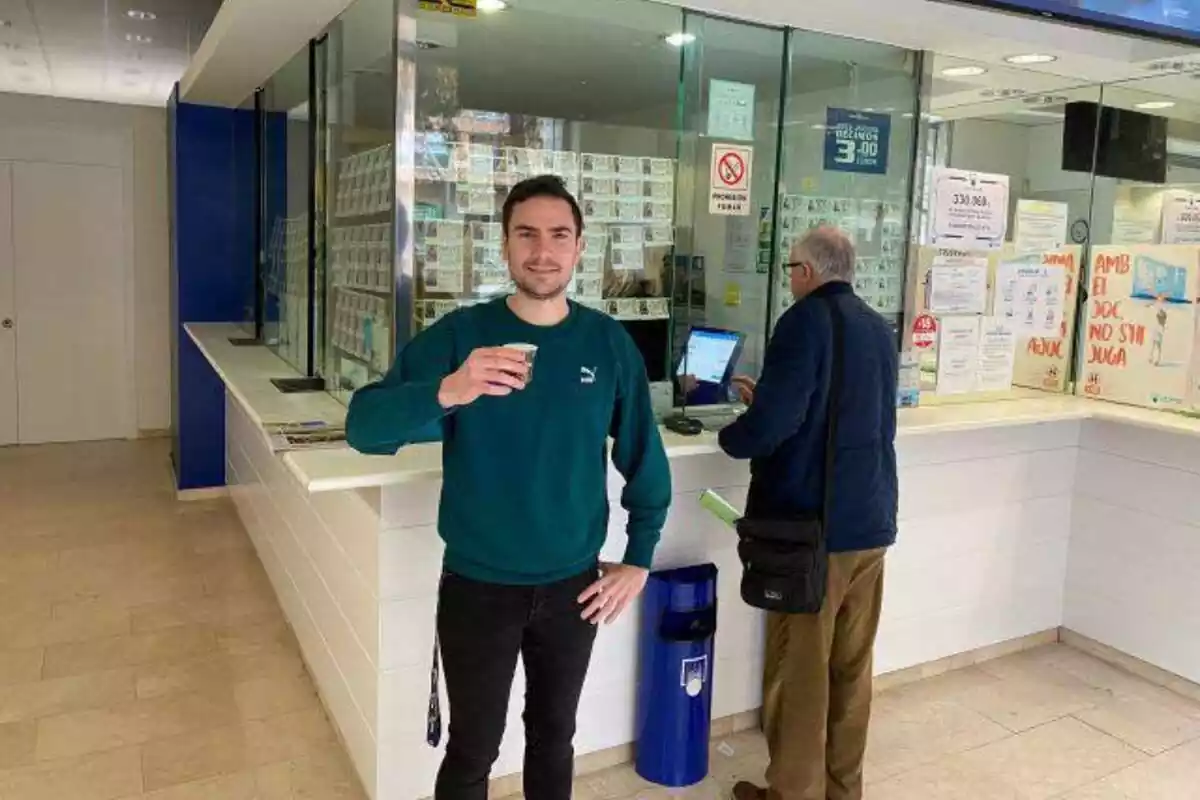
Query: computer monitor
point(711, 355)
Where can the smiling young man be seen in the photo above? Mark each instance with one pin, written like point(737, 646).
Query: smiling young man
point(524, 509)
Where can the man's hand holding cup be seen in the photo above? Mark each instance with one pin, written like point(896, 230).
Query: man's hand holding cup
point(488, 372)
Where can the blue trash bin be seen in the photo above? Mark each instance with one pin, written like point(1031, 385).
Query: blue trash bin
point(674, 713)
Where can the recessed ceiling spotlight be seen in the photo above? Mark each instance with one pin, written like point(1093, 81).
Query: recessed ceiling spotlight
point(679, 39)
point(1155, 105)
point(963, 72)
point(1030, 58)
point(143, 16)
point(137, 38)
point(491, 6)
point(818, 127)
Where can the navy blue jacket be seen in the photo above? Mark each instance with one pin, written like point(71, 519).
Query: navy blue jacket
point(783, 432)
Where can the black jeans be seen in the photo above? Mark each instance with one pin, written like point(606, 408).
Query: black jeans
point(483, 627)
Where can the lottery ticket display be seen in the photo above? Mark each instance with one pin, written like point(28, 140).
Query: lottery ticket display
point(877, 230)
point(286, 278)
point(627, 203)
point(362, 328)
point(364, 184)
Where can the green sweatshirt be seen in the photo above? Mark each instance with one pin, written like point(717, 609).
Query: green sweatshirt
point(524, 494)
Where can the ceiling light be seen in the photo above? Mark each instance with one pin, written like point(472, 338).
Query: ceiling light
point(138, 38)
point(1031, 58)
point(144, 16)
point(679, 39)
point(491, 6)
point(963, 72)
point(1155, 105)
point(818, 127)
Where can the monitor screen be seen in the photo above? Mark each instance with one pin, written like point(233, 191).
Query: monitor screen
point(1171, 19)
point(710, 354)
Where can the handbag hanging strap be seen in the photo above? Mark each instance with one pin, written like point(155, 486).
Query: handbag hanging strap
point(836, 376)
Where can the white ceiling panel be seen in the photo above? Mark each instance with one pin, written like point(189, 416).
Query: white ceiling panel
point(122, 51)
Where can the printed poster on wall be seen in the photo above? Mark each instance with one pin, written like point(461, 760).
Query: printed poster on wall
point(970, 209)
point(1140, 324)
point(1044, 361)
point(857, 141)
point(731, 110)
point(729, 184)
point(1040, 226)
point(1181, 218)
point(957, 285)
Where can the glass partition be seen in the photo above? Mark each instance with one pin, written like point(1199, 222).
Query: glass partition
point(1001, 233)
point(848, 150)
point(733, 81)
point(486, 112)
point(1138, 341)
point(287, 188)
point(359, 282)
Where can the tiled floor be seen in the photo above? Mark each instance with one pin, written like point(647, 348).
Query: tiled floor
point(142, 655)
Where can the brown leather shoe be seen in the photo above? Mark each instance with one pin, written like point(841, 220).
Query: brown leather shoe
point(744, 790)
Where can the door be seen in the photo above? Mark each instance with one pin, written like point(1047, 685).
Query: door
point(8, 336)
point(73, 380)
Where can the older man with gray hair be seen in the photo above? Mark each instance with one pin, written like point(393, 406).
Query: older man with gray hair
point(830, 354)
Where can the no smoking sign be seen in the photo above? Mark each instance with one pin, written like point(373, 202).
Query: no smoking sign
point(729, 187)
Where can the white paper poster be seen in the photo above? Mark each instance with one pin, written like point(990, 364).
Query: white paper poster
point(957, 285)
point(958, 354)
point(729, 184)
point(1181, 218)
point(970, 209)
point(731, 110)
point(1031, 297)
point(997, 355)
point(1041, 226)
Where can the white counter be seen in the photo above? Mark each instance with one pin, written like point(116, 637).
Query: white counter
point(1016, 517)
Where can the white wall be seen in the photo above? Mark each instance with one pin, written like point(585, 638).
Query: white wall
point(1134, 567)
point(147, 173)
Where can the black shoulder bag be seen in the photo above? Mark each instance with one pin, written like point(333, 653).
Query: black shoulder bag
point(785, 562)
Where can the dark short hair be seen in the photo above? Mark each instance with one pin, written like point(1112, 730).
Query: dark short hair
point(541, 186)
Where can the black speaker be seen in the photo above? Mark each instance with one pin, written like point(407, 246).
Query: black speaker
point(1116, 142)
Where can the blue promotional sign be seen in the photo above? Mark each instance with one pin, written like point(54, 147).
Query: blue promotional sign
point(856, 141)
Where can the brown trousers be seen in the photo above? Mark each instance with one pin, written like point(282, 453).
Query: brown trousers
point(817, 685)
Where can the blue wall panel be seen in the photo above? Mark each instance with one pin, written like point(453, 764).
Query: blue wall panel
point(212, 270)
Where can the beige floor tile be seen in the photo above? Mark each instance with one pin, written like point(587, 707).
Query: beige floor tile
point(18, 743)
point(175, 644)
point(1174, 775)
point(1030, 693)
point(287, 737)
point(325, 774)
point(210, 675)
point(271, 696)
point(223, 610)
point(906, 733)
point(947, 686)
point(64, 623)
point(64, 695)
point(20, 666)
point(258, 638)
point(946, 780)
point(1148, 725)
point(193, 757)
point(103, 776)
point(138, 722)
point(22, 566)
point(1055, 758)
point(611, 784)
point(226, 787)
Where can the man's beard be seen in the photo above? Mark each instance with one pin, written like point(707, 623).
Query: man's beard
point(526, 288)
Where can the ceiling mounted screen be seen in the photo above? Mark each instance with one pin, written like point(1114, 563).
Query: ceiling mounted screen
point(1178, 20)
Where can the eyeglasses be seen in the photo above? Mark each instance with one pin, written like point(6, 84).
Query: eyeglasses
point(788, 266)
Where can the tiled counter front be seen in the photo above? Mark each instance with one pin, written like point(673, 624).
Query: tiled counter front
point(982, 559)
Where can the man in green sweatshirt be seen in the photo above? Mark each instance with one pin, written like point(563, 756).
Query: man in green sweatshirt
point(524, 510)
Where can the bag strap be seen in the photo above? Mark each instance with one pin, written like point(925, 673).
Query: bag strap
point(832, 404)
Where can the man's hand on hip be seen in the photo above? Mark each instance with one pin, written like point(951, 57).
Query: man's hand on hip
point(607, 598)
